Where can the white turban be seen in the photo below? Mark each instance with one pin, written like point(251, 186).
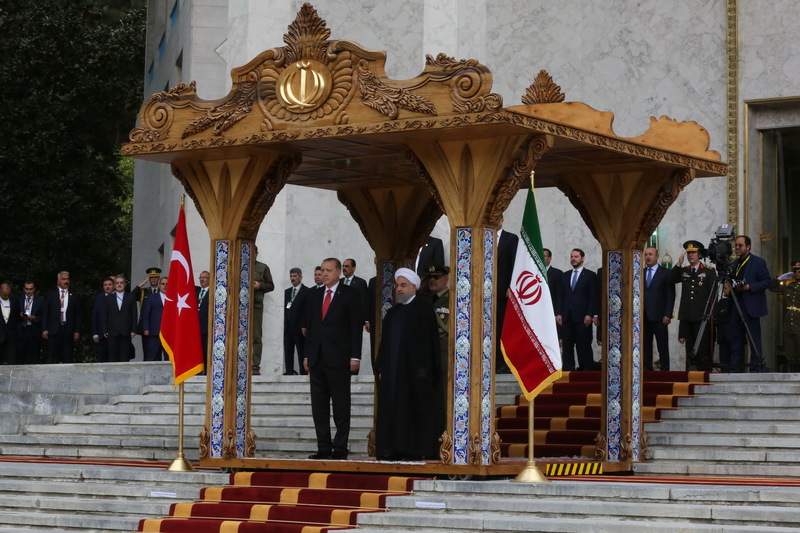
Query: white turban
point(409, 274)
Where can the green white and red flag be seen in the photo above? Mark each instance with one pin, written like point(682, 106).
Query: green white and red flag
point(180, 322)
point(529, 338)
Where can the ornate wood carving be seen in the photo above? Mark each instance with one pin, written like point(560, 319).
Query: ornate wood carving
point(495, 448)
point(520, 170)
point(732, 104)
point(264, 196)
point(187, 186)
point(469, 78)
point(600, 447)
point(626, 452)
point(644, 445)
point(575, 200)
point(229, 445)
point(250, 443)
point(543, 90)
point(474, 450)
point(372, 449)
point(389, 100)
point(666, 197)
point(446, 448)
point(205, 443)
point(423, 173)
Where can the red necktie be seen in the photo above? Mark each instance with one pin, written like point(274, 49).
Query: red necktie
point(326, 303)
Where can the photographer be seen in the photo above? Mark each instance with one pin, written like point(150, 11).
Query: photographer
point(749, 281)
point(697, 282)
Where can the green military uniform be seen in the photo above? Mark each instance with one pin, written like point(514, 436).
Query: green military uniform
point(261, 274)
point(441, 305)
point(696, 286)
point(791, 324)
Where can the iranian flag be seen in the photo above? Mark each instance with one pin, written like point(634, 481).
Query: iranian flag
point(529, 338)
point(180, 322)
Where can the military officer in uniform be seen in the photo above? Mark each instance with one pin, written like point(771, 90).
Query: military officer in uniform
point(697, 281)
point(791, 319)
point(439, 293)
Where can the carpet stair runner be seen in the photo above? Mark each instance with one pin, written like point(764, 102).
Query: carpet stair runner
point(282, 502)
point(567, 413)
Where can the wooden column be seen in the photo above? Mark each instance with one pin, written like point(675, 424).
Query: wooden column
point(622, 209)
point(233, 196)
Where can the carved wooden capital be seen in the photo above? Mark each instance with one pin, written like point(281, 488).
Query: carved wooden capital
point(520, 171)
point(205, 443)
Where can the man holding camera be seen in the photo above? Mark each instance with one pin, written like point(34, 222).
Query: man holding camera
point(697, 281)
point(750, 280)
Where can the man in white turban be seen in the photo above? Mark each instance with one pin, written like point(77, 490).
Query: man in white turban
point(410, 414)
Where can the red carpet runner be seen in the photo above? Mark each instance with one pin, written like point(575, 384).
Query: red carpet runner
point(282, 502)
point(567, 415)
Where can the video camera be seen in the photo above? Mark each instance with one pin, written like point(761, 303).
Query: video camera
point(720, 249)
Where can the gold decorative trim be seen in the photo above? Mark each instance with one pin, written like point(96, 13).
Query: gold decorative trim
point(520, 171)
point(543, 90)
point(388, 100)
point(229, 445)
point(732, 104)
point(205, 443)
point(446, 448)
point(250, 443)
point(600, 447)
point(157, 123)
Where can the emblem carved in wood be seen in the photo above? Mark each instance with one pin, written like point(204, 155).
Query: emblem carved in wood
point(372, 450)
point(495, 448)
point(228, 445)
point(205, 443)
point(626, 451)
point(250, 443)
point(446, 448)
point(474, 450)
point(600, 447)
point(644, 445)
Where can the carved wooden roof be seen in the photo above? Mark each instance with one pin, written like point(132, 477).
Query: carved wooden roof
point(331, 101)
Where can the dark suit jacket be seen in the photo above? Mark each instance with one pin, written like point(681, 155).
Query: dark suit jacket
point(98, 313)
point(659, 298)
point(8, 329)
point(360, 285)
point(52, 312)
point(554, 284)
point(506, 255)
point(432, 252)
point(120, 320)
point(202, 310)
point(575, 305)
point(335, 340)
point(152, 310)
point(756, 274)
point(293, 316)
point(37, 306)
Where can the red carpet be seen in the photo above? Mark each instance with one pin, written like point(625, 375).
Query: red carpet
point(282, 502)
point(567, 415)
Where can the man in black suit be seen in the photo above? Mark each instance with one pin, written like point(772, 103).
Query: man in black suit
point(553, 277)
point(152, 311)
point(62, 321)
point(577, 308)
point(203, 298)
point(29, 326)
point(430, 252)
point(98, 314)
point(119, 324)
point(360, 285)
point(293, 305)
point(334, 318)
point(659, 302)
point(9, 316)
point(506, 255)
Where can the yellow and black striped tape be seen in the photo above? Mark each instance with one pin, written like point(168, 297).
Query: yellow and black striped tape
point(574, 469)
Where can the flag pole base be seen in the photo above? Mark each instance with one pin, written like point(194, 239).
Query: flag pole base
point(531, 474)
point(180, 464)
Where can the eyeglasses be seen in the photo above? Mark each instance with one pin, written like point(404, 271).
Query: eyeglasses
point(433, 277)
point(740, 245)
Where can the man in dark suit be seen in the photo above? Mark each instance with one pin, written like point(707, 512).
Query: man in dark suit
point(506, 255)
point(360, 285)
point(29, 326)
point(98, 314)
point(203, 298)
point(293, 305)
point(62, 321)
point(9, 316)
point(577, 308)
point(752, 280)
point(553, 282)
point(659, 302)
point(120, 321)
point(334, 318)
point(430, 252)
point(152, 310)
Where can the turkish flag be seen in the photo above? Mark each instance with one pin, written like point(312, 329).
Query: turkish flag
point(180, 322)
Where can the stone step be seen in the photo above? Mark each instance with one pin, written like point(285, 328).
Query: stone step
point(771, 387)
point(736, 401)
point(690, 412)
point(760, 470)
point(727, 440)
point(765, 427)
point(710, 453)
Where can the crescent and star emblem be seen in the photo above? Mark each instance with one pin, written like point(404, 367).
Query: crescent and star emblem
point(178, 257)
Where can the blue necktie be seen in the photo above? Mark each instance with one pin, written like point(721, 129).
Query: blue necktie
point(574, 279)
point(649, 276)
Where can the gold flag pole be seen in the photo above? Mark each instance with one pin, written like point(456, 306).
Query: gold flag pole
point(531, 473)
point(180, 464)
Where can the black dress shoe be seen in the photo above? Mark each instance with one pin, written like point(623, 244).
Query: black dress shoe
point(292, 373)
point(320, 455)
point(339, 455)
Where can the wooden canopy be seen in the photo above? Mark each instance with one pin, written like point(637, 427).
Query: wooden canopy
point(400, 153)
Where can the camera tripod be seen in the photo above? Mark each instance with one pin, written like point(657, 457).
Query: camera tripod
point(756, 360)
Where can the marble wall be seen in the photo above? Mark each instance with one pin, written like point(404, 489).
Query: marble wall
point(642, 59)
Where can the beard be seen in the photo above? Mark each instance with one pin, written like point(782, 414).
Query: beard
point(403, 298)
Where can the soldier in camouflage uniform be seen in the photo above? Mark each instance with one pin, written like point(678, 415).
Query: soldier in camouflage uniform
point(697, 281)
point(439, 294)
